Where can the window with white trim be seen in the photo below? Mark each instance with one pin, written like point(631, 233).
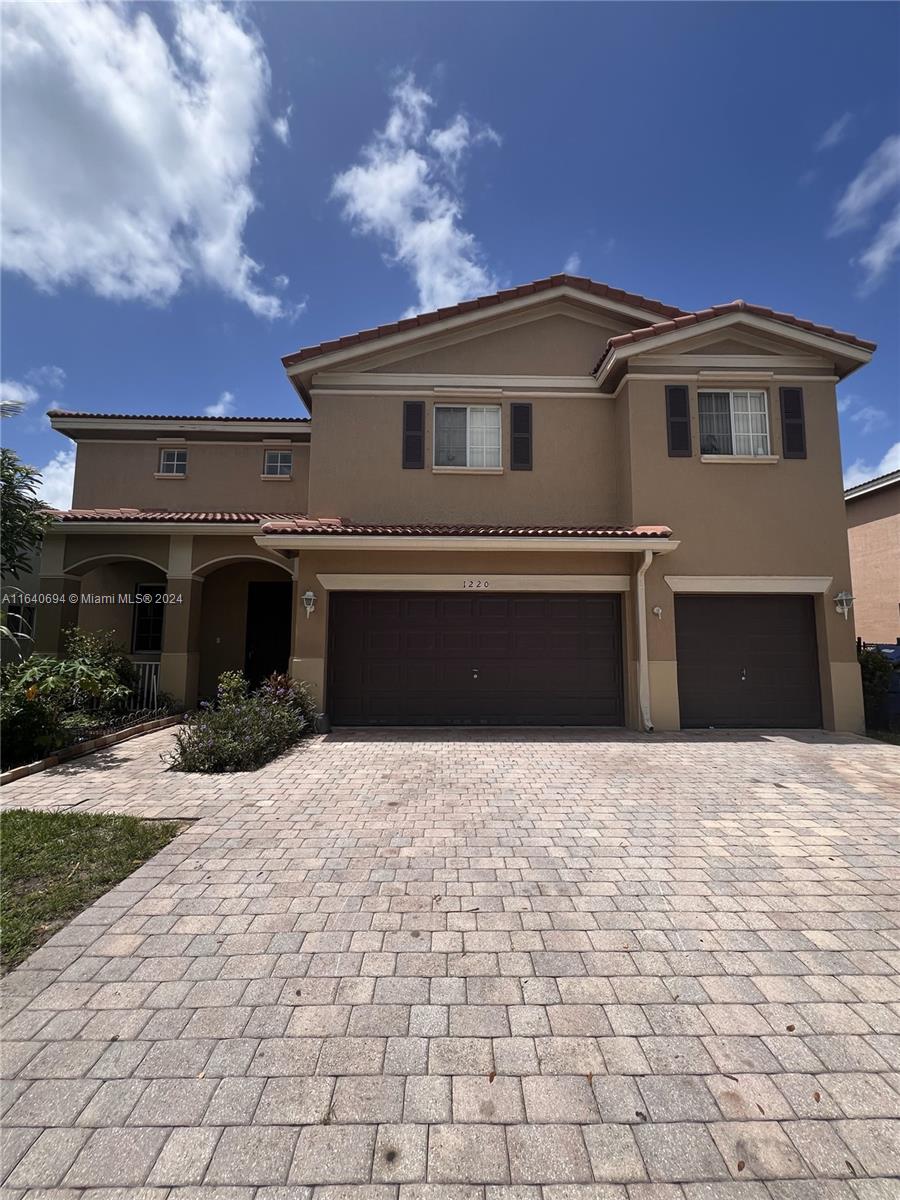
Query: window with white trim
point(278, 462)
point(173, 462)
point(467, 436)
point(734, 423)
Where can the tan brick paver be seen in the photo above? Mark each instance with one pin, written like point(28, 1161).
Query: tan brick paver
point(474, 965)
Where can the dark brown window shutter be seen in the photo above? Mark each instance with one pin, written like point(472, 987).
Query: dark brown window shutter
point(413, 435)
point(678, 421)
point(793, 423)
point(520, 457)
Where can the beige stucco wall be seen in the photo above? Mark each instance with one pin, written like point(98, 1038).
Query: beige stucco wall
point(359, 476)
point(113, 580)
point(754, 519)
point(873, 529)
point(563, 339)
point(221, 476)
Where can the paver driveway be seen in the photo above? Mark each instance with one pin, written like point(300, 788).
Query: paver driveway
point(601, 965)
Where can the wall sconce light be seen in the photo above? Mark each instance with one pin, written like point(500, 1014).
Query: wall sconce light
point(843, 602)
point(309, 603)
point(657, 612)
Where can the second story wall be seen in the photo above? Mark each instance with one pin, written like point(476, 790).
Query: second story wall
point(188, 465)
point(357, 467)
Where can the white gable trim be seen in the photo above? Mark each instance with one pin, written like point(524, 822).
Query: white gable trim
point(786, 332)
point(383, 347)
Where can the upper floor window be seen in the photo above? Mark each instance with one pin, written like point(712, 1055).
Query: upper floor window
point(146, 635)
point(734, 422)
point(278, 462)
point(467, 436)
point(173, 462)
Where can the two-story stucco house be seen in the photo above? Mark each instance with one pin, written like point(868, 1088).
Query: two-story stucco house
point(562, 504)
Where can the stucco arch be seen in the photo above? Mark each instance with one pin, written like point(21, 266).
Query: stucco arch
point(85, 565)
point(215, 564)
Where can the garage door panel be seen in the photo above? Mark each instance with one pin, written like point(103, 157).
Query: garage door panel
point(747, 661)
point(499, 659)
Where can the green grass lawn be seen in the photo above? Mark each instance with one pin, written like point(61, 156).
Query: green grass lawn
point(54, 864)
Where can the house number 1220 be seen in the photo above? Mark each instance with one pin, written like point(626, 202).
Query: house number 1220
point(475, 583)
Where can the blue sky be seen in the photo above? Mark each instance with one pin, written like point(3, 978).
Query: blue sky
point(192, 192)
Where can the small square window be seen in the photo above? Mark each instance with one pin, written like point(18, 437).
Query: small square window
point(278, 462)
point(467, 436)
point(173, 462)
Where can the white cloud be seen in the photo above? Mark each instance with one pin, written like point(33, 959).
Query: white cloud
point(16, 394)
point(844, 402)
point(46, 376)
point(57, 479)
point(836, 132)
point(881, 252)
point(572, 265)
point(870, 418)
point(860, 472)
point(878, 180)
point(20, 393)
point(405, 190)
point(223, 407)
point(141, 176)
point(281, 125)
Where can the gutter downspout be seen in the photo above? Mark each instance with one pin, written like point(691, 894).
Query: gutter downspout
point(643, 665)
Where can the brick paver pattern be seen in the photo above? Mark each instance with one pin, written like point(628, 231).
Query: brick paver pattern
point(474, 965)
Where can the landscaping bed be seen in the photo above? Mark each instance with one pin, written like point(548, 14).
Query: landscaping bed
point(54, 864)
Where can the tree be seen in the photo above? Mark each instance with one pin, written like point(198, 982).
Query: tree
point(23, 516)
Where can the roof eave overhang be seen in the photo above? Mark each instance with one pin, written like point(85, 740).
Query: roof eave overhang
point(168, 527)
point(75, 427)
point(306, 541)
point(846, 357)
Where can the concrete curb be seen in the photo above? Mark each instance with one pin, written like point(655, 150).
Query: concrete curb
point(69, 752)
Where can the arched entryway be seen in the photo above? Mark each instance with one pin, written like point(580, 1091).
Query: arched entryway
point(245, 621)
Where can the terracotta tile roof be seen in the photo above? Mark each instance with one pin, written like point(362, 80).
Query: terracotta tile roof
point(579, 282)
point(334, 525)
point(167, 515)
point(94, 416)
point(721, 310)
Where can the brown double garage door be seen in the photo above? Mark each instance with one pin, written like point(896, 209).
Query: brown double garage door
point(434, 658)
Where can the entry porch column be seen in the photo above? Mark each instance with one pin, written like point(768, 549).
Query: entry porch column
point(179, 663)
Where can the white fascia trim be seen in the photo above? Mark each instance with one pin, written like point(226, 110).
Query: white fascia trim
point(875, 485)
point(484, 584)
point(391, 340)
point(307, 541)
point(168, 527)
point(712, 584)
point(729, 377)
point(399, 381)
point(787, 332)
point(65, 424)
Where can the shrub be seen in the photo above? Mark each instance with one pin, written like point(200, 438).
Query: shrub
point(243, 729)
point(47, 703)
point(875, 668)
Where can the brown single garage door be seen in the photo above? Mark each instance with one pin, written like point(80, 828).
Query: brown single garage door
point(430, 658)
point(747, 662)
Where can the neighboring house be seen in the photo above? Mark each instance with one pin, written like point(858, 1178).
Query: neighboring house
point(560, 504)
point(873, 530)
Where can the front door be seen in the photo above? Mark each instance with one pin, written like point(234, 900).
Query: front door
point(268, 642)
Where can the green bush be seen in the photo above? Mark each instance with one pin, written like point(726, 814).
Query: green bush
point(244, 729)
point(48, 703)
point(875, 668)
